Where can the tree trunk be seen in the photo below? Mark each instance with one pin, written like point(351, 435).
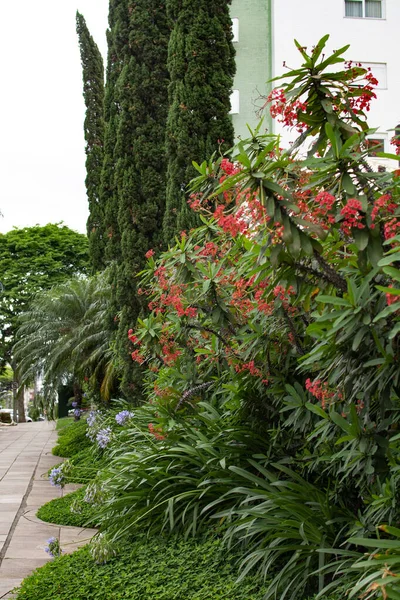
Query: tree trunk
point(21, 404)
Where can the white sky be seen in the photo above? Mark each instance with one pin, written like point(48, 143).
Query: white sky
point(42, 157)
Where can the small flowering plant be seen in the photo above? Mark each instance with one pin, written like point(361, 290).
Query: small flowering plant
point(53, 547)
point(58, 475)
point(123, 416)
point(103, 437)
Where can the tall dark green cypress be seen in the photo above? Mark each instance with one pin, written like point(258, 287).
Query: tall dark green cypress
point(141, 93)
point(202, 66)
point(93, 93)
point(117, 41)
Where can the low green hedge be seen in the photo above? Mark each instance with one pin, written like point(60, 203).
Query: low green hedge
point(58, 511)
point(64, 422)
point(72, 439)
point(146, 570)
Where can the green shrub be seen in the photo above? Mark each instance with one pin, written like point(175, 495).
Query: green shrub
point(72, 439)
point(64, 422)
point(59, 510)
point(147, 570)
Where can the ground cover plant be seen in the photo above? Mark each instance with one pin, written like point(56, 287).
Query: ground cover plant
point(72, 439)
point(71, 510)
point(154, 569)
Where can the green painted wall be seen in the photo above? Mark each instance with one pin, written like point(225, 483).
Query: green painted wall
point(253, 60)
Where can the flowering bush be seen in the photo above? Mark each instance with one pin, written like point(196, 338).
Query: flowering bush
point(283, 308)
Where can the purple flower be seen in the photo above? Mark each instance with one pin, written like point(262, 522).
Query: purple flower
point(123, 416)
point(56, 477)
point(92, 418)
point(53, 547)
point(103, 437)
point(77, 412)
point(74, 404)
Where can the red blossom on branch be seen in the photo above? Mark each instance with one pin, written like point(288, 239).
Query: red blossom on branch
point(352, 216)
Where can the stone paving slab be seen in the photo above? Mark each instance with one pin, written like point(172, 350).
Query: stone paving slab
point(25, 458)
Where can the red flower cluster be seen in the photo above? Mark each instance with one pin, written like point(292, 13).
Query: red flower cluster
point(169, 350)
point(395, 141)
point(352, 216)
point(384, 204)
point(319, 390)
point(229, 223)
point(195, 201)
point(286, 112)
point(252, 369)
point(133, 338)
point(149, 254)
point(228, 167)
point(363, 102)
point(391, 298)
point(282, 293)
point(391, 228)
point(156, 431)
point(137, 357)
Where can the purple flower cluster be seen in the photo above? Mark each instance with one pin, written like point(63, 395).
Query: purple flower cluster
point(53, 547)
point(103, 437)
point(92, 418)
point(56, 477)
point(77, 412)
point(74, 404)
point(123, 416)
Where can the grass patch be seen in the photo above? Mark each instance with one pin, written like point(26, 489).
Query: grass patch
point(146, 570)
point(72, 439)
point(58, 511)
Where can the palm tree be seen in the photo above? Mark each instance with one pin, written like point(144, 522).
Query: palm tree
point(65, 337)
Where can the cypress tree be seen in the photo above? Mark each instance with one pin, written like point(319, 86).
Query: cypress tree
point(201, 66)
point(93, 93)
point(117, 42)
point(140, 163)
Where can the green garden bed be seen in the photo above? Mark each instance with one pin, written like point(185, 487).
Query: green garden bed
point(146, 570)
point(59, 511)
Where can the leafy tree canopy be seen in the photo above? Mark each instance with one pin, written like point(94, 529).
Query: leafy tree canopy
point(33, 259)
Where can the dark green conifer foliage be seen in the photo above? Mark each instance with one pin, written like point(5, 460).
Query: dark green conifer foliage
point(201, 65)
point(93, 92)
point(117, 40)
point(140, 165)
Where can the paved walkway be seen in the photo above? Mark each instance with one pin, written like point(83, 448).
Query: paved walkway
point(25, 458)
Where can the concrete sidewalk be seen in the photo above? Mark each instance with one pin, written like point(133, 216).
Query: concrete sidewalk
point(25, 458)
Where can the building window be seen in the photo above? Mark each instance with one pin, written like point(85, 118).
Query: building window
point(235, 30)
point(375, 145)
point(378, 70)
point(368, 9)
point(234, 102)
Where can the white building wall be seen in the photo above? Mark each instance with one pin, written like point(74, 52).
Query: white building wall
point(371, 41)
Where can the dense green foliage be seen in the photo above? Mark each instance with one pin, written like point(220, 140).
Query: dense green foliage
point(72, 440)
point(139, 158)
point(93, 93)
point(64, 422)
point(34, 259)
point(71, 510)
point(201, 66)
point(272, 351)
point(145, 570)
